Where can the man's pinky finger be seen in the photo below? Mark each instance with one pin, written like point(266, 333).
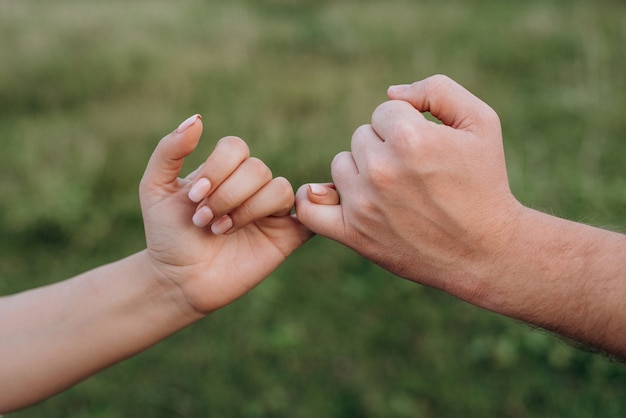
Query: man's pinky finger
point(323, 194)
point(325, 218)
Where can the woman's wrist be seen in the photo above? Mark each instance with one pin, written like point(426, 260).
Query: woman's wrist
point(168, 296)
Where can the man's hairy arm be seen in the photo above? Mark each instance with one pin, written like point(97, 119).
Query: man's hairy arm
point(564, 276)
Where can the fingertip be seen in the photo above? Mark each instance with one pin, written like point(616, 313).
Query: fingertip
point(202, 217)
point(322, 194)
point(182, 141)
point(234, 145)
point(397, 90)
point(199, 190)
point(320, 215)
point(317, 190)
point(188, 123)
point(167, 158)
point(188, 133)
point(222, 226)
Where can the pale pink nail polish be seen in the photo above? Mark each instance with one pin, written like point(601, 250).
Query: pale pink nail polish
point(203, 216)
point(199, 190)
point(187, 123)
point(318, 189)
point(222, 225)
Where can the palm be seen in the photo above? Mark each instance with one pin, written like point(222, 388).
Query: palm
point(213, 269)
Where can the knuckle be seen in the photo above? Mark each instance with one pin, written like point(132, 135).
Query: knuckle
point(259, 168)
point(381, 173)
point(383, 109)
point(361, 130)
point(360, 135)
point(438, 81)
point(438, 85)
point(285, 193)
point(283, 186)
point(405, 133)
point(337, 159)
point(336, 165)
point(234, 144)
point(491, 118)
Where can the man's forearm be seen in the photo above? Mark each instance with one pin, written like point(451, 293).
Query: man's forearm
point(564, 276)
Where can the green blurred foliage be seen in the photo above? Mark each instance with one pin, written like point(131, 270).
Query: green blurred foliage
point(88, 87)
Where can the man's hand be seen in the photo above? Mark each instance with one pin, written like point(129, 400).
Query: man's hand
point(429, 202)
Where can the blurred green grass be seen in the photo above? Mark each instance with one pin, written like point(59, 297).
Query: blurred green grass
point(88, 88)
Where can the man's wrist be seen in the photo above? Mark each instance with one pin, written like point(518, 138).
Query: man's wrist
point(560, 275)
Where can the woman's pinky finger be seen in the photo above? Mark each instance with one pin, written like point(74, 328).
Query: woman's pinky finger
point(276, 198)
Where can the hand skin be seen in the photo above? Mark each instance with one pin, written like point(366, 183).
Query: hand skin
point(53, 337)
point(431, 203)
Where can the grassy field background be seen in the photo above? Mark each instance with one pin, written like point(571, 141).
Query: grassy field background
point(88, 87)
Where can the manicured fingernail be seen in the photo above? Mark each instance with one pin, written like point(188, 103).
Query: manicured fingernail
point(203, 216)
point(222, 225)
point(318, 189)
point(199, 190)
point(187, 123)
point(400, 88)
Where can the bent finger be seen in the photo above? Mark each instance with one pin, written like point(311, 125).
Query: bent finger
point(276, 198)
point(229, 153)
point(365, 143)
point(445, 99)
point(398, 121)
point(322, 219)
point(249, 178)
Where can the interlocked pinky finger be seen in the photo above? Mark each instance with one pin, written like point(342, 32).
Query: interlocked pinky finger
point(276, 198)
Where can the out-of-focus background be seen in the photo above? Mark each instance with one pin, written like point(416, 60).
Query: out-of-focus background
point(88, 87)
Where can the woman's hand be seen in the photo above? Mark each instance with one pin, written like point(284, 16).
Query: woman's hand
point(221, 230)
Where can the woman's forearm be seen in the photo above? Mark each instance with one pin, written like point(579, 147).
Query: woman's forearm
point(55, 336)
